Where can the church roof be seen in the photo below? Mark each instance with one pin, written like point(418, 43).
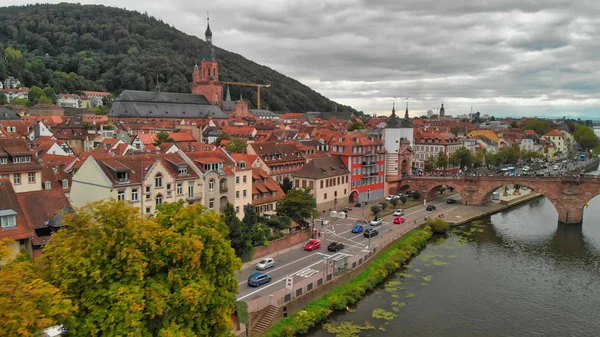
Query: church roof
point(133, 103)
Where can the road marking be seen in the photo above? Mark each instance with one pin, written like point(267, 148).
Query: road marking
point(275, 282)
point(285, 265)
point(306, 272)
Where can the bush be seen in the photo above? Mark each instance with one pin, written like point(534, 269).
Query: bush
point(403, 199)
point(398, 254)
point(394, 202)
point(384, 205)
point(416, 195)
point(375, 210)
point(437, 225)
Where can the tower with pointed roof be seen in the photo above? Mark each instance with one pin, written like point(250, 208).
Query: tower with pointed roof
point(205, 77)
point(397, 134)
point(442, 111)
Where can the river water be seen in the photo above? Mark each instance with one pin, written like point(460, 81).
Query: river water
point(515, 273)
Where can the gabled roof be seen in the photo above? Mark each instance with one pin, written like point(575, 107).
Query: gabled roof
point(9, 204)
point(260, 186)
point(324, 167)
point(41, 206)
point(553, 133)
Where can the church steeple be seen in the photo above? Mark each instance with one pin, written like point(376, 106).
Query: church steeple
point(393, 121)
point(228, 95)
point(208, 32)
point(406, 112)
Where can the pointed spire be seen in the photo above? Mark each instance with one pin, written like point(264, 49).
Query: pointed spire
point(406, 112)
point(394, 107)
point(208, 32)
point(228, 95)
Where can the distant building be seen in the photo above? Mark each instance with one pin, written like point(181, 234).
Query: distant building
point(205, 79)
point(494, 125)
point(328, 180)
point(11, 83)
point(395, 130)
point(46, 110)
point(12, 93)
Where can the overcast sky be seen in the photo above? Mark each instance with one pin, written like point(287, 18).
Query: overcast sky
point(501, 57)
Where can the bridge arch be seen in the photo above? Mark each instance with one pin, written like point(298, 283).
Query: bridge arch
point(431, 192)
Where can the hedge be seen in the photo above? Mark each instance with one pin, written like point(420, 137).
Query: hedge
point(385, 264)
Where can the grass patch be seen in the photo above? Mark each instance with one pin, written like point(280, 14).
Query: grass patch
point(388, 262)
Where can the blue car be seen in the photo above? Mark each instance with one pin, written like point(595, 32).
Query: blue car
point(258, 279)
point(358, 228)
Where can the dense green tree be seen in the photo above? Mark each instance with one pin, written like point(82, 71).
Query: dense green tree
point(286, 184)
point(429, 164)
point(356, 126)
point(19, 101)
point(585, 137)
point(375, 209)
point(437, 225)
point(3, 99)
point(170, 275)
point(239, 234)
point(394, 202)
point(162, 137)
point(527, 154)
point(442, 160)
point(403, 199)
point(87, 47)
point(538, 125)
point(279, 223)
point(298, 204)
point(237, 145)
point(222, 136)
point(461, 158)
point(509, 154)
point(514, 125)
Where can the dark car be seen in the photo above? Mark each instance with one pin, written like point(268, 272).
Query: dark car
point(451, 201)
point(370, 232)
point(431, 208)
point(258, 279)
point(335, 246)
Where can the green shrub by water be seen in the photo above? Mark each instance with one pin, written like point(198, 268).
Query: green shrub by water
point(437, 225)
point(388, 262)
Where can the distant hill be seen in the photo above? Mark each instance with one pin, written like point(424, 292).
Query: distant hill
point(87, 47)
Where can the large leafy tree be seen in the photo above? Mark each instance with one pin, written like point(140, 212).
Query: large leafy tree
point(585, 137)
point(28, 304)
point(237, 145)
point(442, 160)
point(170, 275)
point(298, 204)
point(162, 137)
point(538, 125)
point(461, 158)
point(239, 234)
point(286, 184)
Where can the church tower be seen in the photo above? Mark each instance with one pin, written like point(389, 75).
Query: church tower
point(397, 138)
point(442, 111)
point(206, 77)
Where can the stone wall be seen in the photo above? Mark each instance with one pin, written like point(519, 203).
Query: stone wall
point(282, 243)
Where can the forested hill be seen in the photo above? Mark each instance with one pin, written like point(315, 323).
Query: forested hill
point(75, 47)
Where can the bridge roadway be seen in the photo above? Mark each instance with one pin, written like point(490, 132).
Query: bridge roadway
point(301, 264)
point(568, 194)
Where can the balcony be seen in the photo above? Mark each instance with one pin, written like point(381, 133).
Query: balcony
point(223, 189)
point(370, 153)
point(364, 163)
point(193, 198)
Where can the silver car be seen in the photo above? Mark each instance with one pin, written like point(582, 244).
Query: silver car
point(399, 212)
point(265, 263)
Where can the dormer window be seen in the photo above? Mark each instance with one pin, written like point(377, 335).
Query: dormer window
point(3, 160)
point(8, 218)
point(122, 177)
point(65, 184)
point(183, 170)
point(47, 185)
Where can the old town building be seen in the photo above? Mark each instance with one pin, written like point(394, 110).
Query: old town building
point(205, 79)
point(282, 159)
point(266, 193)
point(328, 180)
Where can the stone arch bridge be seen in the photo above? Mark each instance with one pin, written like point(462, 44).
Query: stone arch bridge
point(568, 194)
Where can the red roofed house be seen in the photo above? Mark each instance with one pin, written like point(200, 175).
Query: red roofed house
point(18, 164)
point(429, 143)
point(265, 192)
point(13, 224)
point(559, 142)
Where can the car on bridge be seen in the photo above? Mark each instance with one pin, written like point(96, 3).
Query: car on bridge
point(399, 220)
point(258, 279)
point(265, 263)
point(358, 228)
point(431, 208)
point(335, 246)
point(370, 232)
point(376, 221)
point(312, 244)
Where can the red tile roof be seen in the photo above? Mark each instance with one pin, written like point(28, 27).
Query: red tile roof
point(9, 201)
point(553, 133)
point(40, 206)
point(260, 186)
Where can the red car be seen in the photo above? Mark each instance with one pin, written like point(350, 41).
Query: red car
point(312, 244)
point(399, 220)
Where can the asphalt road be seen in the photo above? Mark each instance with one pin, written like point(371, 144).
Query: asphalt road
point(301, 264)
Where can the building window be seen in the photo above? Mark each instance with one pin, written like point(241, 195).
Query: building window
point(211, 203)
point(148, 210)
point(31, 177)
point(244, 194)
point(121, 195)
point(345, 191)
point(8, 221)
point(244, 179)
point(122, 177)
point(147, 189)
point(134, 194)
point(159, 199)
point(335, 194)
point(168, 186)
point(158, 180)
point(321, 183)
point(237, 194)
point(191, 190)
point(237, 180)
point(17, 178)
point(182, 170)
point(3, 160)
point(179, 190)
point(325, 196)
point(211, 185)
point(65, 184)
point(237, 209)
point(47, 185)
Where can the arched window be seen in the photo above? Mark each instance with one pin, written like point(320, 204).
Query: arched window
point(211, 184)
point(158, 181)
point(159, 199)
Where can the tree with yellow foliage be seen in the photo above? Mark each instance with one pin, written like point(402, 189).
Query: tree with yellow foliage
point(169, 275)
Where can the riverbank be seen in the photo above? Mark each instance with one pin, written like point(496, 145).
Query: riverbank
point(350, 292)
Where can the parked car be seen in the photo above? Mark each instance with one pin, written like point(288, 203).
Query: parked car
point(376, 221)
point(258, 279)
point(399, 212)
point(266, 263)
point(358, 228)
point(346, 209)
point(389, 197)
point(431, 208)
point(312, 244)
point(399, 220)
point(370, 232)
point(451, 201)
point(335, 246)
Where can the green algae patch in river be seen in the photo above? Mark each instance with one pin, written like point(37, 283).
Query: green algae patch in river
point(346, 329)
point(383, 314)
point(439, 263)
